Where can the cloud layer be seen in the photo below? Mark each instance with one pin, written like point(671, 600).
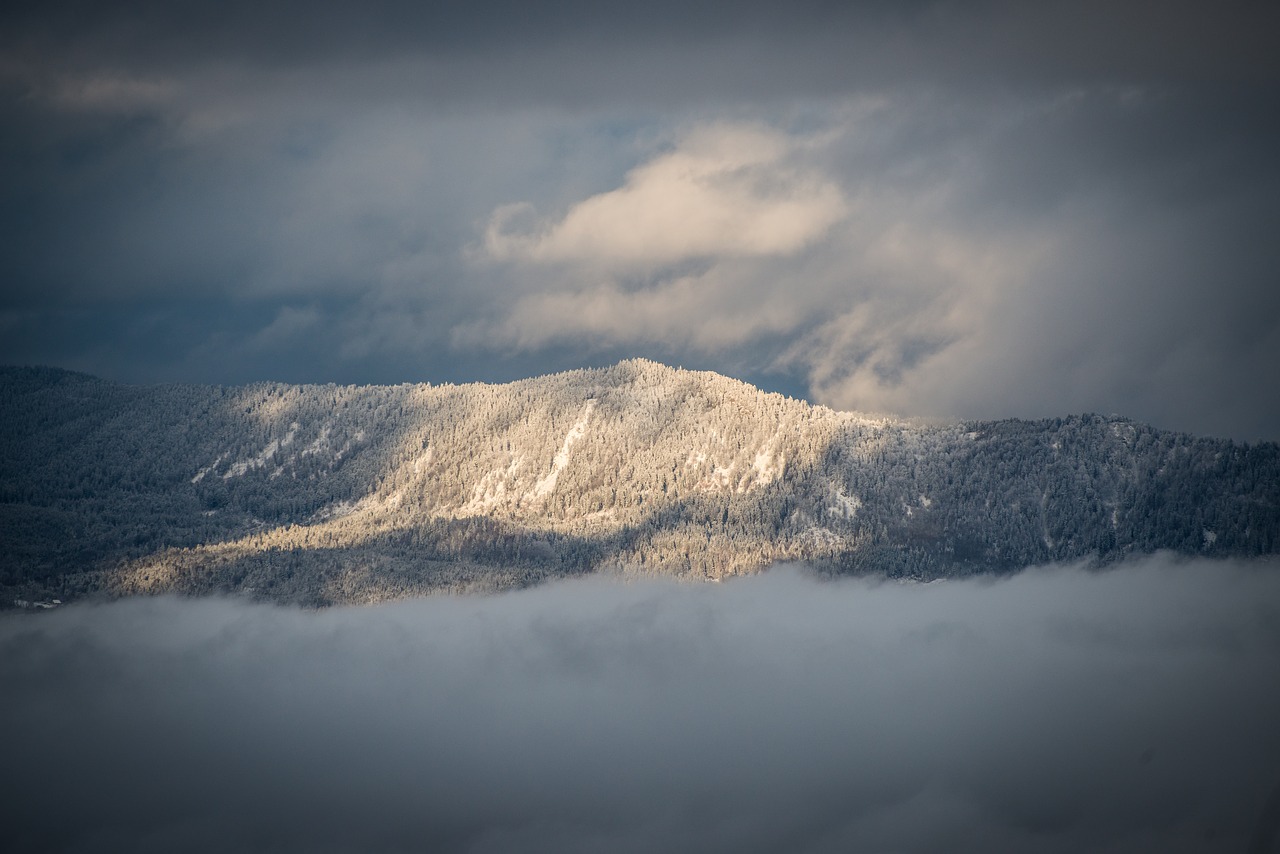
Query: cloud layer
point(1057, 710)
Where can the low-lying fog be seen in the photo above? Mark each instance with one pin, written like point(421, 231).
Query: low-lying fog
point(1057, 710)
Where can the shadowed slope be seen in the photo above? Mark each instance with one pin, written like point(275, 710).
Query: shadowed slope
point(329, 493)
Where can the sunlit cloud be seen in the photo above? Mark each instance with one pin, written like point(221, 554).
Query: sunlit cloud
point(723, 307)
point(876, 311)
point(724, 191)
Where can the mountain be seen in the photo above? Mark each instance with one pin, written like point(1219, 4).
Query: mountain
point(327, 494)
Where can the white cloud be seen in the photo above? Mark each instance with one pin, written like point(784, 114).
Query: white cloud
point(724, 191)
point(928, 309)
point(877, 306)
point(726, 306)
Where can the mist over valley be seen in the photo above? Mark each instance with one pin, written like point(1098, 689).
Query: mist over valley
point(1055, 710)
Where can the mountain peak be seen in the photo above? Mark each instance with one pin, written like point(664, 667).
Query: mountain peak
point(352, 493)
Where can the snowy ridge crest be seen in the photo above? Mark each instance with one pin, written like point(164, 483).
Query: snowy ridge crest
point(355, 493)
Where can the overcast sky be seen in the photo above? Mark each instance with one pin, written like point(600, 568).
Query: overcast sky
point(932, 208)
point(1056, 711)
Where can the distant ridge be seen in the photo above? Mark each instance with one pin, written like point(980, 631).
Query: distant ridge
point(323, 494)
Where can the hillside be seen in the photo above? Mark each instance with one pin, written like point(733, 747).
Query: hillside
point(324, 494)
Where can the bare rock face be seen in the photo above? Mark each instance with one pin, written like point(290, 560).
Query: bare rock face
point(323, 494)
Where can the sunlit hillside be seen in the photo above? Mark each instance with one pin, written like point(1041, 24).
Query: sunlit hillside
point(323, 494)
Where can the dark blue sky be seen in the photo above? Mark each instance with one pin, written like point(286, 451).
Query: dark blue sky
point(944, 209)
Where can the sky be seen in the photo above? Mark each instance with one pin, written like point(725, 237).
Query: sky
point(1058, 710)
point(943, 209)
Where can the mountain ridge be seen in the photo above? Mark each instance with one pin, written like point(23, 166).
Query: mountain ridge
point(325, 493)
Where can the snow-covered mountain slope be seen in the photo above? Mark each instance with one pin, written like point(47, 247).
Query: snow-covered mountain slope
point(333, 494)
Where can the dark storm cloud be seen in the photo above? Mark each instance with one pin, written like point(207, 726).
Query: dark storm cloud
point(1057, 710)
point(1050, 207)
point(842, 43)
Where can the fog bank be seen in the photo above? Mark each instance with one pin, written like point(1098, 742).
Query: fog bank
point(1056, 710)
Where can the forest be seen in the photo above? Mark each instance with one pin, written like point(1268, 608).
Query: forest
point(329, 494)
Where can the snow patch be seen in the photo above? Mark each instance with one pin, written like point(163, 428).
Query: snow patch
point(242, 467)
point(491, 490)
point(1125, 433)
point(199, 476)
point(321, 444)
point(845, 505)
point(334, 511)
point(768, 466)
point(822, 539)
point(720, 479)
point(274, 447)
point(547, 485)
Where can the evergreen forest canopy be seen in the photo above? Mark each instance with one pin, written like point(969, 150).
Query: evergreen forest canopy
point(344, 494)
